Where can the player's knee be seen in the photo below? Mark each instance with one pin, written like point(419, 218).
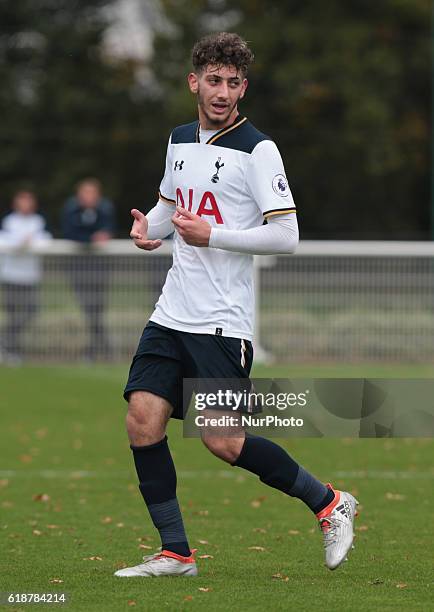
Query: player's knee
point(227, 449)
point(145, 425)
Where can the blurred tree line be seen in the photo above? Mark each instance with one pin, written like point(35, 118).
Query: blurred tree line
point(343, 88)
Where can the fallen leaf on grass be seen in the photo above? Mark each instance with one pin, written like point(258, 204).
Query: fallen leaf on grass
point(26, 458)
point(106, 520)
point(95, 558)
point(362, 528)
point(120, 525)
point(36, 532)
point(203, 541)
point(280, 576)
point(376, 581)
point(256, 503)
point(4, 483)
point(205, 557)
point(52, 526)
point(145, 547)
point(188, 597)
point(259, 548)
point(401, 585)
point(204, 589)
point(260, 530)
point(42, 497)
point(131, 602)
point(395, 496)
point(56, 581)
point(293, 532)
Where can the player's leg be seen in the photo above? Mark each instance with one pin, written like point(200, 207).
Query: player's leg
point(219, 359)
point(146, 420)
point(152, 394)
point(334, 509)
point(270, 462)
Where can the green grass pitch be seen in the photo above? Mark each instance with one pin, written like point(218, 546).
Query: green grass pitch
point(70, 509)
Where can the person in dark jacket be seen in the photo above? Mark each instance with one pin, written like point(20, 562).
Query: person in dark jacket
point(88, 218)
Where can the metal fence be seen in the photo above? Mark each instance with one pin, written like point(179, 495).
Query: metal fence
point(332, 301)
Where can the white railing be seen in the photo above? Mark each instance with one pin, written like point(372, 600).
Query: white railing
point(332, 301)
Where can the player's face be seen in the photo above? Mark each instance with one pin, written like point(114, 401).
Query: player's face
point(218, 90)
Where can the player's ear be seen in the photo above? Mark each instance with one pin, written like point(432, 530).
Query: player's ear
point(193, 82)
point(244, 87)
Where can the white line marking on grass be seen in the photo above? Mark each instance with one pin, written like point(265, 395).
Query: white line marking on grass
point(384, 474)
point(224, 474)
point(80, 474)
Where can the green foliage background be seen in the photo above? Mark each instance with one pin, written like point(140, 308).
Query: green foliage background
point(343, 88)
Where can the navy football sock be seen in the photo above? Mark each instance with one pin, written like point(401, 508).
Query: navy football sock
point(277, 469)
point(157, 483)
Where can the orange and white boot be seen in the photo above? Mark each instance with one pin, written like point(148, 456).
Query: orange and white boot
point(164, 563)
point(336, 522)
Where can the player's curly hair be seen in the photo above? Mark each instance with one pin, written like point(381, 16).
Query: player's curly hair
point(222, 49)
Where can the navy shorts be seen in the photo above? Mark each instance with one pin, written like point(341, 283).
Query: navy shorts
point(166, 356)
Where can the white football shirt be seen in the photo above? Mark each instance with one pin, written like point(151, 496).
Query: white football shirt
point(19, 267)
point(234, 181)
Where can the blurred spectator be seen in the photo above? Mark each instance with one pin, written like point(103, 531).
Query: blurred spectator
point(20, 270)
point(88, 218)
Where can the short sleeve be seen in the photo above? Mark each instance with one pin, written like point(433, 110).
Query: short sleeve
point(165, 192)
point(267, 182)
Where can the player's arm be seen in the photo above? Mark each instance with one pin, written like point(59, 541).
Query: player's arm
point(279, 236)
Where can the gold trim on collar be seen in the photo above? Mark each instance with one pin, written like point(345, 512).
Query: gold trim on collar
point(225, 131)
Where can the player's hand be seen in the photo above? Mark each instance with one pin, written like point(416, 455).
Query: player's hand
point(194, 230)
point(139, 232)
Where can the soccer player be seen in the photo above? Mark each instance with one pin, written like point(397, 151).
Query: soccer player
point(223, 177)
